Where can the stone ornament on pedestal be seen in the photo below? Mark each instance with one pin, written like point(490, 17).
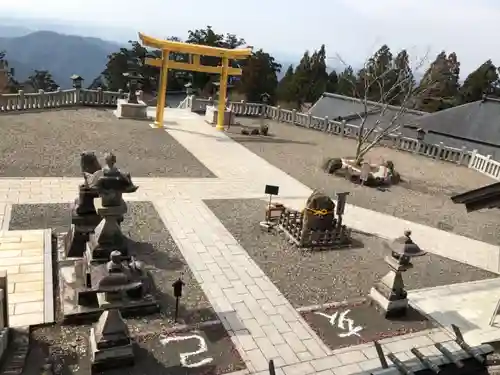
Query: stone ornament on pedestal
point(132, 107)
point(110, 342)
point(84, 217)
point(389, 294)
point(111, 184)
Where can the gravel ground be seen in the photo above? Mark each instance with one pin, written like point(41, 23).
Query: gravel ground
point(49, 144)
point(424, 197)
point(68, 347)
point(309, 278)
point(152, 244)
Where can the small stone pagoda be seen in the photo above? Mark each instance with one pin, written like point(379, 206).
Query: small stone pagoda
point(121, 283)
point(110, 342)
point(316, 226)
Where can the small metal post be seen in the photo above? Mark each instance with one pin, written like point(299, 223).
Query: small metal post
point(272, 370)
point(177, 285)
point(381, 355)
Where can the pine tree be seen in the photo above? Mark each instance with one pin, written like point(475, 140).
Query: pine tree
point(439, 87)
point(318, 75)
point(285, 89)
point(376, 78)
point(347, 82)
point(302, 80)
point(482, 81)
point(259, 76)
point(42, 80)
point(332, 82)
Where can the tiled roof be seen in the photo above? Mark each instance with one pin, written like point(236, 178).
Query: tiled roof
point(476, 121)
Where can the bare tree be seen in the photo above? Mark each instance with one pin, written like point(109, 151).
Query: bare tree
point(389, 83)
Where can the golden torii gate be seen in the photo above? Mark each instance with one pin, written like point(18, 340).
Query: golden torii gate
point(196, 51)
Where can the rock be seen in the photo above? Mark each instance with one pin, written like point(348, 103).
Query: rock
point(245, 132)
point(254, 132)
point(264, 130)
point(331, 165)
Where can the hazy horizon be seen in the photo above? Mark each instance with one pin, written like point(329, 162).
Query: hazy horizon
point(351, 29)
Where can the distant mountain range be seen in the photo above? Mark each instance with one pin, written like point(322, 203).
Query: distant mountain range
point(62, 55)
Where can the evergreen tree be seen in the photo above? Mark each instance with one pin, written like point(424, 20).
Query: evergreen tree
point(439, 87)
point(259, 76)
point(377, 76)
point(302, 80)
point(10, 85)
point(347, 82)
point(402, 80)
point(285, 90)
point(208, 37)
point(482, 81)
point(132, 60)
point(42, 80)
point(318, 75)
point(332, 82)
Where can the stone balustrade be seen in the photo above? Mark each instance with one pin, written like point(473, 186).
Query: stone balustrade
point(60, 98)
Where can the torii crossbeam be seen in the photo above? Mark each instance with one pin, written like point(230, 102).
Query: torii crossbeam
point(196, 51)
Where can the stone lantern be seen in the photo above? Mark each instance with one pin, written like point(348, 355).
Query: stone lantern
point(189, 88)
point(389, 293)
point(77, 81)
point(265, 98)
point(133, 84)
point(420, 134)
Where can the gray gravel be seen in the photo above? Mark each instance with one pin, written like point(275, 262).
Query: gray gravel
point(309, 278)
point(423, 198)
point(48, 144)
point(152, 244)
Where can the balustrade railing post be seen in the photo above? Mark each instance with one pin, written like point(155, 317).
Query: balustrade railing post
point(57, 97)
point(342, 128)
point(41, 99)
point(140, 95)
point(326, 129)
point(439, 150)
point(472, 159)
point(309, 120)
point(77, 98)
point(294, 116)
point(278, 113)
point(100, 97)
point(20, 103)
point(463, 152)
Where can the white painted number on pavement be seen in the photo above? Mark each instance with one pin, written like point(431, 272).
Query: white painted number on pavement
point(341, 323)
point(202, 348)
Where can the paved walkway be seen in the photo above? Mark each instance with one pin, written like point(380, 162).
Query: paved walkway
point(261, 321)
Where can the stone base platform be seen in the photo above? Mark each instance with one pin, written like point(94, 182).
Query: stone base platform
point(74, 313)
point(26, 257)
point(135, 111)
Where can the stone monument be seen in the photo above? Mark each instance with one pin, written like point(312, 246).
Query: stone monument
point(84, 217)
point(316, 226)
point(389, 294)
point(132, 108)
point(110, 184)
point(110, 342)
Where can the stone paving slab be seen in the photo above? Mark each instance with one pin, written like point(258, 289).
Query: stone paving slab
point(469, 306)
point(355, 323)
point(22, 256)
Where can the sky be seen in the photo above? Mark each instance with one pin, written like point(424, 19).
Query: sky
point(350, 29)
